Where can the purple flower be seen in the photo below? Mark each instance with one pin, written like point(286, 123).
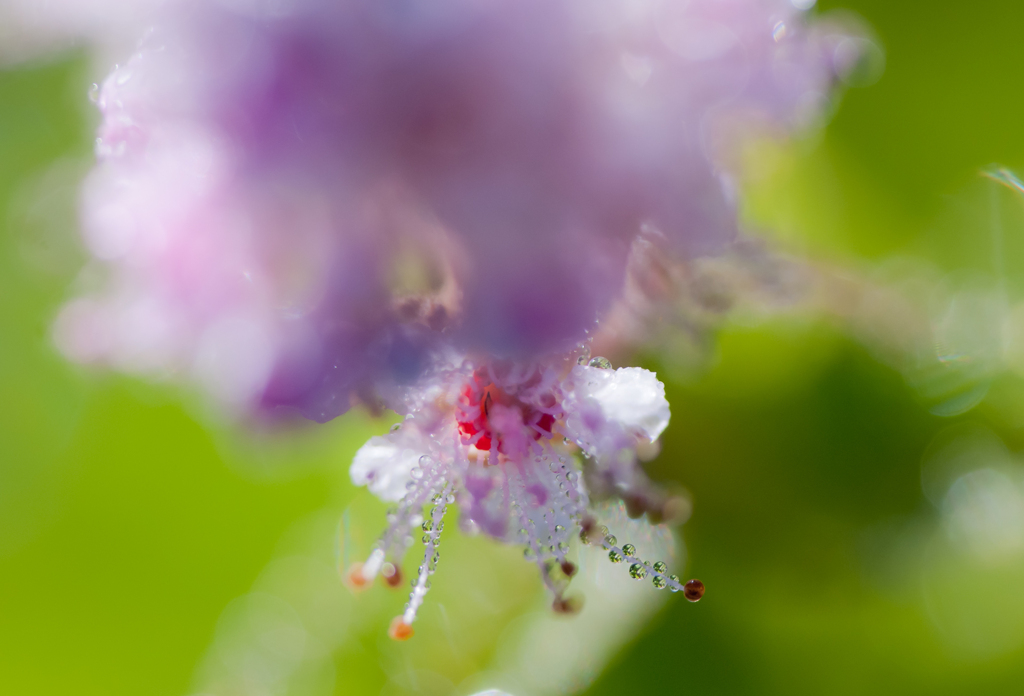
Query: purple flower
point(501, 437)
point(301, 203)
point(416, 204)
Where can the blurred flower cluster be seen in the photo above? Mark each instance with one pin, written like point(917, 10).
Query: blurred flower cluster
point(429, 206)
point(298, 202)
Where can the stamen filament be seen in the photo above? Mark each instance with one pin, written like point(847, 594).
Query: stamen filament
point(670, 580)
point(431, 540)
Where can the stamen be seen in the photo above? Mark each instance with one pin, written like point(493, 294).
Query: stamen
point(373, 564)
point(566, 476)
point(640, 569)
point(570, 504)
point(399, 630)
point(546, 548)
point(401, 627)
point(426, 478)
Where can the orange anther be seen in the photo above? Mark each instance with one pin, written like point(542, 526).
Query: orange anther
point(399, 629)
point(354, 578)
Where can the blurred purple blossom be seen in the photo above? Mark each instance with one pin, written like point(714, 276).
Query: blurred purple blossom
point(301, 201)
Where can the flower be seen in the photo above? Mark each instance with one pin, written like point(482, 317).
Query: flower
point(297, 203)
point(426, 205)
point(500, 437)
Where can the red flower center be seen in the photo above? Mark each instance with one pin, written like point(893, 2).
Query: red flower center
point(477, 400)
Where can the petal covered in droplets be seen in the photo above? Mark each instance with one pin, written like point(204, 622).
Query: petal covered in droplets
point(384, 467)
point(632, 397)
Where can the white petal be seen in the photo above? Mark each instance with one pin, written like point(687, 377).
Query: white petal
point(631, 396)
point(383, 467)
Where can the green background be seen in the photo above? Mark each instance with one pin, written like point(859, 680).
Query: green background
point(130, 520)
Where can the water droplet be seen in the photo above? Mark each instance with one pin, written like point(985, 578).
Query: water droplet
point(600, 363)
point(426, 539)
point(779, 31)
point(529, 555)
point(675, 582)
point(584, 353)
point(416, 473)
point(427, 525)
point(468, 526)
point(629, 549)
point(563, 547)
point(559, 529)
point(693, 590)
point(615, 557)
point(450, 499)
point(611, 540)
point(396, 427)
point(94, 93)
point(637, 571)
point(659, 582)
point(392, 574)
point(660, 567)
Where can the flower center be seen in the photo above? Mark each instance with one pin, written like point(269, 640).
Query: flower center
point(489, 416)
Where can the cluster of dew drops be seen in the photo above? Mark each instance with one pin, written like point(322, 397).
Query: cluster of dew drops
point(639, 569)
point(598, 535)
